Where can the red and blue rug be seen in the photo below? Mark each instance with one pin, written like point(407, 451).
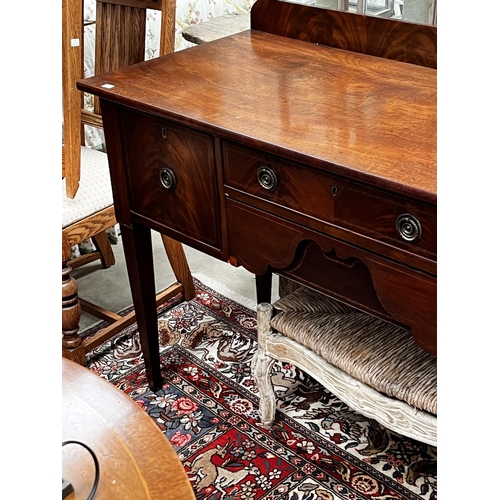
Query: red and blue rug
point(318, 448)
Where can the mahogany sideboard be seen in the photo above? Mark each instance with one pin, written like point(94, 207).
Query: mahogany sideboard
point(304, 146)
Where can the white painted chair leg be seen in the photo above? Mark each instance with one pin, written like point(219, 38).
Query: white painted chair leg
point(262, 364)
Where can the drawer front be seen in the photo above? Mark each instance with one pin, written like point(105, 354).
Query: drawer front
point(335, 200)
point(172, 176)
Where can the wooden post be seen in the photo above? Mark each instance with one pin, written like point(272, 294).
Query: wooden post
point(72, 347)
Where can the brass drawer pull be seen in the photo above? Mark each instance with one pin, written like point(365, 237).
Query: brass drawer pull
point(168, 179)
point(409, 227)
point(267, 178)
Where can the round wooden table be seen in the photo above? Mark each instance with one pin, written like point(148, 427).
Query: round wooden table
point(136, 460)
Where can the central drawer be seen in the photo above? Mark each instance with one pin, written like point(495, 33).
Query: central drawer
point(332, 199)
point(172, 176)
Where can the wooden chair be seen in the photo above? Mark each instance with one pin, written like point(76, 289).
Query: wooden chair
point(86, 189)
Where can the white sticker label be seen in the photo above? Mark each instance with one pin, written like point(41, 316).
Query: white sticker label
point(107, 86)
point(75, 42)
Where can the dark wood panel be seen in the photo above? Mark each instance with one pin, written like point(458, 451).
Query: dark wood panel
point(388, 38)
point(190, 205)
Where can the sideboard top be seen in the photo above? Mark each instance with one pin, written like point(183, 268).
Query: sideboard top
point(371, 118)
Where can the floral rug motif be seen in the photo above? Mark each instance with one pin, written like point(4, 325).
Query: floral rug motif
point(317, 449)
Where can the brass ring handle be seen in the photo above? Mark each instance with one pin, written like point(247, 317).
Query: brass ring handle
point(409, 227)
point(267, 178)
point(168, 178)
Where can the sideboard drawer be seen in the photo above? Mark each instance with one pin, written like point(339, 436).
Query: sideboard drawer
point(172, 176)
point(332, 199)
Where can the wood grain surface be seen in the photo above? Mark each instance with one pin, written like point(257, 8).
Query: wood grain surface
point(388, 38)
point(136, 460)
point(365, 117)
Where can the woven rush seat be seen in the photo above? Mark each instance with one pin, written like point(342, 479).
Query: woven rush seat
point(381, 355)
point(373, 366)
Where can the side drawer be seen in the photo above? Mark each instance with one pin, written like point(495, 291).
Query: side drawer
point(172, 176)
point(332, 199)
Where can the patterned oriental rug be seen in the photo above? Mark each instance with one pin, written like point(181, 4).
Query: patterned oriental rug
point(318, 447)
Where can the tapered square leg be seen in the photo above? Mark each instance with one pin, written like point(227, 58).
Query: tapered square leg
point(263, 285)
point(139, 258)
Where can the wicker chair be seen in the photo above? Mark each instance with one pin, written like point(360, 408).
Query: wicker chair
point(374, 367)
